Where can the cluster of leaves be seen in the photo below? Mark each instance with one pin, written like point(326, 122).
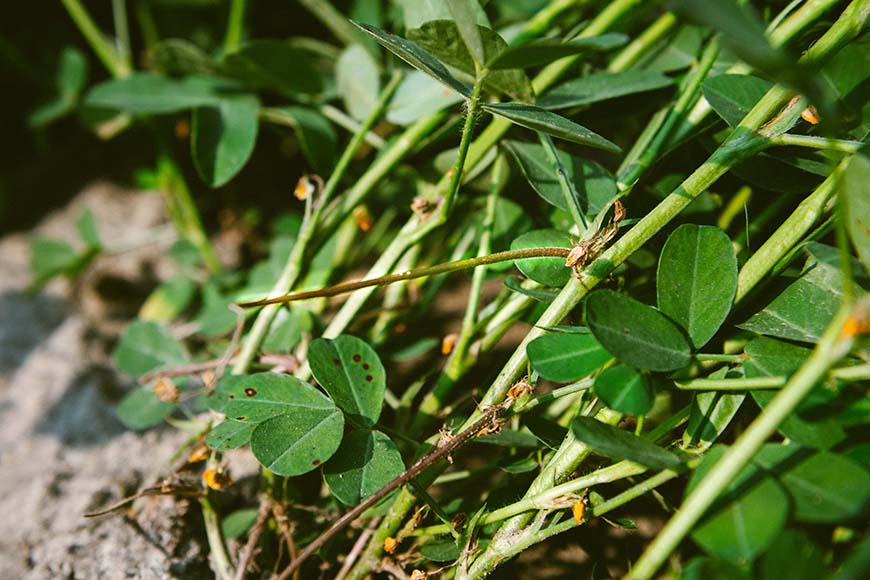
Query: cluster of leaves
point(698, 367)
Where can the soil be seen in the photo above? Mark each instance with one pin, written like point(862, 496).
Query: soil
point(62, 450)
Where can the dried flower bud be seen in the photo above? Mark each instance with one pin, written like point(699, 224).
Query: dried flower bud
point(421, 205)
point(810, 115)
point(199, 453)
point(579, 509)
point(363, 218)
point(390, 545)
point(419, 575)
point(165, 390)
point(448, 342)
point(520, 389)
point(216, 480)
point(304, 188)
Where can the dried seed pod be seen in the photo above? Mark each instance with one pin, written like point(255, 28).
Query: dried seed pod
point(165, 390)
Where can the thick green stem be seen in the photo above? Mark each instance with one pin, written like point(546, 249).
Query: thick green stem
point(823, 143)
point(832, 346)
point(641, 45)
point(122, 33)
point(292, 269)
point(220, 558)
point(235, 25)
point(114, 62)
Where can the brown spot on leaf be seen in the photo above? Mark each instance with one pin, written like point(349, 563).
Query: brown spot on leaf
point(369, 378)
point(250, 392)
point(241, 418)
point(232, 397)
point(357, 358)
point(315, 462)
point(366, 366)
point(336, 362)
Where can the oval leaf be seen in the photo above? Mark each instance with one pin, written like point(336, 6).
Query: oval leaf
point(141, 409)
point(147, 93)
point(538, 119)
point(594, 184)
point(547, 271)
point(746, 519)
point(636, 334)
point(295, 444)
point(697, 280)
point(566, 357)
point(351, 372)
point(223, 138)
point(314, 133)
point(615, 443)
point(357, 81)
point(261, 396)
point(825, 488)
point(732, 96)
point(229, 434)
point(601, 87)
point(146, 346)
point(274, 64)
point(416, 56)
point(856, 187)
point(545, 50)
point(365, 462)
point(625, 390)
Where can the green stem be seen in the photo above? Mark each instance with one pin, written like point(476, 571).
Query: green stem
point(641, 45)
point(183, 211)
point(791, 232)
point(107, 54)
point(292, 269)
point(812, 142)
point(569, 192)
point(344, 120)
point(217, 548)
point(730, 358)
point(337, 23)
point(122, 33)
point(543, 19)
point(832, 346)
point(147, 25)
point(235, 25)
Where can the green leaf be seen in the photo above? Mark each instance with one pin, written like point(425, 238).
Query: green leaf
point(358, 81)
point(594, 184)
point(69, 80)
point(314, 133)
point(543, 295)
point(168, 300)
point(260, 396)
point(625, 390)
point(545, 50)
point(417, 57)
point(365, 462)
point(141, 409)
point(229, 434)
point(223, 138)
point(701, 568)
point(178, 57)
point(609, 441)
point(679, 51)
point(697, 280)
point(147, 346)
point(599, 87)
point(825, 488)
point(856, 190)
point(440, 551)
point(710, 415)
point(294, 444)
point(732, 96)
point(442, 38)
point(417, 96)
point(537, 119)
point(464, 16)
point(767, 357)
point(746, 519)
point(771, 357)
point(273, 64)
point(804, 309)
point(351, 372)
point(636, 334)
point(238, 523)
point(148, 93)
point(49, 257)
point(794, 556)
point(546, 271)
point(86, 225)
point(287, 329)
point(566, 357)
